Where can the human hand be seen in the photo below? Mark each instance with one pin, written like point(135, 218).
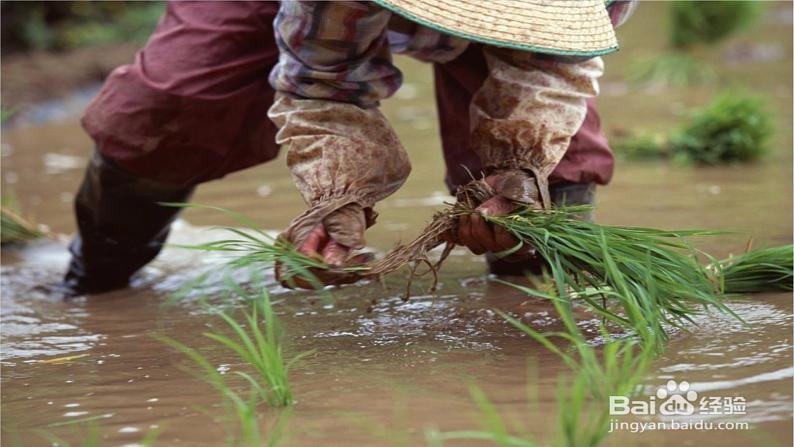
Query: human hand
point(513, 188)
point(333, 240)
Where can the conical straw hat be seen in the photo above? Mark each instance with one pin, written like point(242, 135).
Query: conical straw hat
point(562, 27)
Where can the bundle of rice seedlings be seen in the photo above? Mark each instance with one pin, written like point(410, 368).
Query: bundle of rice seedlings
point(14, 227)
point(255, 248)
point(658, 269)
point(733, 128)
point(761, 270)
point(646, 272)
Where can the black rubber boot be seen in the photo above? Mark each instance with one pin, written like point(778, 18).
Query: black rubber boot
point(561, 193)
point(121, 227)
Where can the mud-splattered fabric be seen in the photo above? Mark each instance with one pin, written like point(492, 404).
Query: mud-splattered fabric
point(339, 154)
point(528, 109)
point(193, 105)
point(337, 53)
point(338, 149)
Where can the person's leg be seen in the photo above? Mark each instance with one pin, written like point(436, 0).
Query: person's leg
point(191, 108)
point(121, 226)
point(193, 105)
point(587, 162)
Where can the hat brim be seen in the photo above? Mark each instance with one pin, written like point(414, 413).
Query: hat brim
point(566, 28)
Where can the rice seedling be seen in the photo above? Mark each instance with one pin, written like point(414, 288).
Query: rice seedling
point(494, 428)
point(14, 227)
point(261, 348)
point(645, 272)
point(255, 248)
point(257, 342)
point(619, 368)
point(673, 69)
point(241, 410)
point(732, 128)
point(90, 437)
point(762, 270)
point(582, 400)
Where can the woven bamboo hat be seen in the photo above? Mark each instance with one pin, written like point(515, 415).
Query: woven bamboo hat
point(562, 27)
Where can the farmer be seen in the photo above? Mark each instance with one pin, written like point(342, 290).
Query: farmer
point(514, 86)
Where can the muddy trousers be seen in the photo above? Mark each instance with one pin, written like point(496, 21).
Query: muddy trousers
point(122, 226)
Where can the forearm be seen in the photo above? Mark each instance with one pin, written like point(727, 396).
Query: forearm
point(339, 150)
point(529, 108)
point(333, 70)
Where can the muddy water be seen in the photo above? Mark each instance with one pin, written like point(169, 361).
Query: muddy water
point(384, 373)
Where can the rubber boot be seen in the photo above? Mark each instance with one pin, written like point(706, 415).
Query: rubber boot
point(121, 227)
point(561, 194)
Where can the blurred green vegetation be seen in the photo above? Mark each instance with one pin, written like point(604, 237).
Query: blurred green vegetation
point(641, 146)
point(709, 22)
point(53, 25)
point(672, 68)
point(692, 25)
point(734, 127)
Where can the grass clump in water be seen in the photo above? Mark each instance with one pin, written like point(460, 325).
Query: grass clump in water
point(732, 128)
point(761, 270)
point(695, 23)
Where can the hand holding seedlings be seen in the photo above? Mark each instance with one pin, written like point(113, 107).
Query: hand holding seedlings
point(331, 241)
point(512, 190)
